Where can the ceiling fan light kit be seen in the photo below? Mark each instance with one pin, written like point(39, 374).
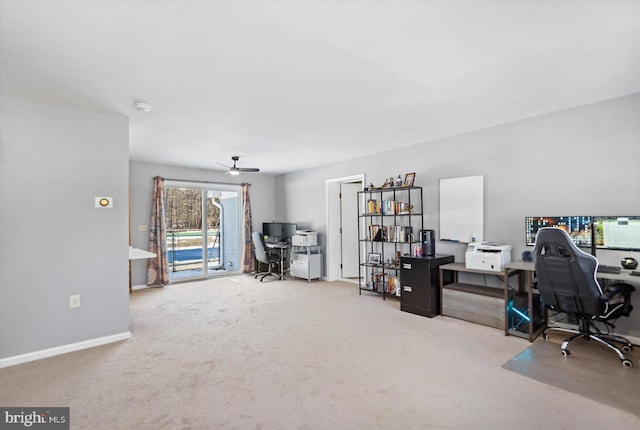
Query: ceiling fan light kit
point(234, 170)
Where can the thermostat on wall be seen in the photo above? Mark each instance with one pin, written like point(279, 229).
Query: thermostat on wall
point(104, 202)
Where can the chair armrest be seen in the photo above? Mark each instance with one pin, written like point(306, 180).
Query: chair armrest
point(620, 288)
point(619, 293)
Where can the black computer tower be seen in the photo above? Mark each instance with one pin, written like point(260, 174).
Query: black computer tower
point(519, 312)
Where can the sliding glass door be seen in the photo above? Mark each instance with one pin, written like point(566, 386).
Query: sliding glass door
point(203, 229)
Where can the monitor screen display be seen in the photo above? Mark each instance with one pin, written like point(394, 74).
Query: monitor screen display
point(273, 229)
point(617, 232)
point(290, 229)
point(578, 228)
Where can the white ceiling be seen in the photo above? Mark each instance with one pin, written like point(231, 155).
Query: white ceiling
point(291, 85)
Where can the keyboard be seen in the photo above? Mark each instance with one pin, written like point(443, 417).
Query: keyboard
point(609, 269)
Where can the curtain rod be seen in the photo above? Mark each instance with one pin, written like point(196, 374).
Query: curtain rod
point(206, 182)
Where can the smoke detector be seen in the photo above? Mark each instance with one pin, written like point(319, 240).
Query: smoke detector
point(143, 106)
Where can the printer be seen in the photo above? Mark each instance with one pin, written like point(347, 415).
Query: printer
point(305, 238)
point(487, 256)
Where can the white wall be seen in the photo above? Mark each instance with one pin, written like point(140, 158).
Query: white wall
point(141, 177)
point(55, 243)
point(578, 161)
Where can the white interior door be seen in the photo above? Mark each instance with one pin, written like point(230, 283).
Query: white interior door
point(349, 228)
point(333, 256)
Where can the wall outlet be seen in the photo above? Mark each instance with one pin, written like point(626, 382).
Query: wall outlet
point(74, 301)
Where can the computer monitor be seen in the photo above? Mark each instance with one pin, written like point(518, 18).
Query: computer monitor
point(290, 229)
point(617, 232)
point(578, 228)
point(273, 229)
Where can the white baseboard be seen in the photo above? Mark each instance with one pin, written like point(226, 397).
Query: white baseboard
point(139, 287)
point(63, 349)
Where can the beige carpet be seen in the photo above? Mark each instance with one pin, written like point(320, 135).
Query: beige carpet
point(234, 353)
point(591, 370)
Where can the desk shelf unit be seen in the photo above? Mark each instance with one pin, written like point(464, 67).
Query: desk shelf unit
point(388, 223)
point(508, 308)
point(470, 302)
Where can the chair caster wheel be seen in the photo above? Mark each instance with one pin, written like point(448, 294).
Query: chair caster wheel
point(545, 336)
point(627, 363)
point(627, 348)
point(565, 352)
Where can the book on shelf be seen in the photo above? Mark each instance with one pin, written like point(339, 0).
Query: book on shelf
point(375, 233)
point(373, 207)
point(391, 207)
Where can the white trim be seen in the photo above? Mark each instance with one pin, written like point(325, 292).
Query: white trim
point(139, 287)
point(63, 349)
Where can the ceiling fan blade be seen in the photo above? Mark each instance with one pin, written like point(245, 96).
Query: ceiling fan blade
point(248, 169)
point(224, 165)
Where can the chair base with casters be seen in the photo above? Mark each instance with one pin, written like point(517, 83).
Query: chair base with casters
point(587, 331)
point(264, 256)
point(269, 271)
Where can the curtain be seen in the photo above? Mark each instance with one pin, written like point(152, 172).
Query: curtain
point(248, 253)
point(158, 269)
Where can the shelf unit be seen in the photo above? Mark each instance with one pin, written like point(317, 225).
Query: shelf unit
point(516, 310)
point(388, 224)
point(306, 262)
point(471, 302)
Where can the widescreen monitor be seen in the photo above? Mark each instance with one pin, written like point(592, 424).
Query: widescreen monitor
point(617, 232)
point(290, 229)
point(578, 228)
point(273, 229)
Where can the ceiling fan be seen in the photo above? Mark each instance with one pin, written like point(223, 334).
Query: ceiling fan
point(234, 170)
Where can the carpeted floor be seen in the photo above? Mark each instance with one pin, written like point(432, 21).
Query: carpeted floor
point(592, 371)
point(234, 353)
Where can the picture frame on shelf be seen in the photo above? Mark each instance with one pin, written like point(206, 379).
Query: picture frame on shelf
point(374, 258)
point(409, 179)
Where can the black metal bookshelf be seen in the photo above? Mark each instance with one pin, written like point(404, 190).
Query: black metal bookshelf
point(388, 223)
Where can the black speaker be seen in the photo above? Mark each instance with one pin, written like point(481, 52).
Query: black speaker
point(428, 242)
point(526, 256)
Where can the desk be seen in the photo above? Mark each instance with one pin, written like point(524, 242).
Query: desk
point(526, 271)
point(137, 254)
point(282, 249)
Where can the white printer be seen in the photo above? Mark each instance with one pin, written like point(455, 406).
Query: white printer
point(305, 238)
point(487, 256)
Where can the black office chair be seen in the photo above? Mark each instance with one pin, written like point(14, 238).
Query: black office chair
point(566, 279)
point(264, 256)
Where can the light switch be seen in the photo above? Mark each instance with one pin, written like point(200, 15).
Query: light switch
point(142, 227)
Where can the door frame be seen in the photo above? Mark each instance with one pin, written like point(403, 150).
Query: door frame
point(333, 223)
